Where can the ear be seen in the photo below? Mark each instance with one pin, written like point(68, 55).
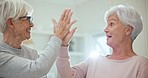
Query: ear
point(129, 30)
point(9, 22)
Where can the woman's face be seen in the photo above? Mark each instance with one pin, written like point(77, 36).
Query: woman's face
point(115, 31)
point(23, 27)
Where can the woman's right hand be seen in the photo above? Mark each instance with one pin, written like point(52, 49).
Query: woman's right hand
point(62, 28)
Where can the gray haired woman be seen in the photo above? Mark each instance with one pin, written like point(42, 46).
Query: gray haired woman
point(123, 26)
point(16, 59)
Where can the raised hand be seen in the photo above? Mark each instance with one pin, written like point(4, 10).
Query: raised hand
point(66, 40)
point(62, 28)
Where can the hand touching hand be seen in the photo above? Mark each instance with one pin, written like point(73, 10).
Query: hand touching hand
point(62, 28)
point(68, 37)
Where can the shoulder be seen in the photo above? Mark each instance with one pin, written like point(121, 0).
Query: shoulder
point(142, 62)
point(4, 57)
point(141, 58)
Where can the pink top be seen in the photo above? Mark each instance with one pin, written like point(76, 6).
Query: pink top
point(101, 67)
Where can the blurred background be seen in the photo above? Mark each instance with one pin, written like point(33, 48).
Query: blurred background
point(89, 39)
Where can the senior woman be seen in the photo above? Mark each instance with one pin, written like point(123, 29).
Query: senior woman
point(16, 59)
point(123, 26)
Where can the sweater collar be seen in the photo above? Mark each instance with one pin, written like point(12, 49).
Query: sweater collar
point(8, 49)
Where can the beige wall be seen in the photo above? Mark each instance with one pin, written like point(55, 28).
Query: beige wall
point(141, 43)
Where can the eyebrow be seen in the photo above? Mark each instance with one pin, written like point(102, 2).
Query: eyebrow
point(112, 19)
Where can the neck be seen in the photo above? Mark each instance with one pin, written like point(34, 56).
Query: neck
point(122, 51)
point(12, 40)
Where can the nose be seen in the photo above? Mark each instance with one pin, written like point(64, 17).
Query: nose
point(106, 29)
point(31, 24)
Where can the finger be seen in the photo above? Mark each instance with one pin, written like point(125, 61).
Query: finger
point(68, 26)
point(54, 24)
point(72, 22)
point(66, 15)
point(70, 35)
point(69, 17)
point(73, 31)
point(63, 14)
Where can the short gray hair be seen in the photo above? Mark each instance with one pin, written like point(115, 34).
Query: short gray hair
point(128, 16)
point(13, 9)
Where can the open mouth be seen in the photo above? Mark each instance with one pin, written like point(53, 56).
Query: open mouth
point(108, 36)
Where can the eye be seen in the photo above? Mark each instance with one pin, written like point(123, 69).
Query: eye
point(29, 18)
point(111, 24)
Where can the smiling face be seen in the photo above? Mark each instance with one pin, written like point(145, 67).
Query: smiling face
point(115, 31)
point(22, 28)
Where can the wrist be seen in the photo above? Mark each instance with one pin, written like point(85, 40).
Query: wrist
point(65, 45)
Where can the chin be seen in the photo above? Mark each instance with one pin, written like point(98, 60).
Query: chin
point(28, 37)
point(109, 44)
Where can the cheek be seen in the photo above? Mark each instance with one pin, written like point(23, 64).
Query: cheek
point(23, 28)
point(120, 36)
point(119, 31)
point(117, 35)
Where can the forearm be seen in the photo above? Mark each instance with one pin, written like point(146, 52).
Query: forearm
point(63, 64)
point(64, 68)
point(50, 53)
point(48, 56)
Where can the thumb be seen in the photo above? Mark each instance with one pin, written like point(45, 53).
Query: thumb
point(54, 24)
point(73, 31)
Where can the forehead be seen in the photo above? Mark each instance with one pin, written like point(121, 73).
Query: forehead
point(113, 17)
